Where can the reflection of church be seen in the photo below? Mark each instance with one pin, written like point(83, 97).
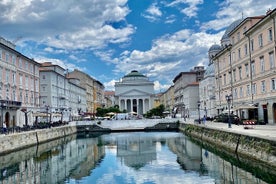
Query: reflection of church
point(136, 152)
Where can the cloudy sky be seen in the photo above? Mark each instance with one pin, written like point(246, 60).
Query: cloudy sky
point(108, 38)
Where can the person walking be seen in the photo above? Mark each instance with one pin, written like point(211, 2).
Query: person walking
point(4, 128)
point(204, 120)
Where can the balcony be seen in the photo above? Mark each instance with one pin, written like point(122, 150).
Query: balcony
point(11, 104)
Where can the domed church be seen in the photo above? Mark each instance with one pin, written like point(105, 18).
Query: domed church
point(134, 93)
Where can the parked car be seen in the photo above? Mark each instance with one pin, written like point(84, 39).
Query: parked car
point(224, 118)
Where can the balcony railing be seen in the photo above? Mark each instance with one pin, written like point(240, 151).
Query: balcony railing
point(10, 104)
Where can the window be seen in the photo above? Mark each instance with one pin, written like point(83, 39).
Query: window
point(244, 29)
point(7, 76)
point(27, 82)
point(20, 80)
point(252, 44)
point(230, 78)
point(240, 72)
point(262, 64)
point(7, 57)
point(20, 63)
point(253, 67)
point(43, 77)
point(13, 78)
point(260, 38)
point(273, 85)
point(245, 49)
point(246, 70)
point(26, 66)
point(241, 92)
point(224, 79)
point(13, 59)
point(271, 60)
point(254, 89)
point(235, 93)
point(233, 40)
point(238, 36)
point(248, 90)
point(234, 75)
point(0, 54)
point(239, 53)
point(263, 86)
point(270, 35)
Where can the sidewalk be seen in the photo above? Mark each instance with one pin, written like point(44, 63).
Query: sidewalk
point(262, 131)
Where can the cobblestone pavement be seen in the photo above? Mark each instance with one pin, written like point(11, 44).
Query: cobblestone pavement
point(262, 131)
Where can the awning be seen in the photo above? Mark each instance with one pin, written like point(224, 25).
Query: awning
point(245, 107)
point(41, 114)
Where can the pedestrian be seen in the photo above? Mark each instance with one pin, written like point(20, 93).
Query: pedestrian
point(4, 128)
point(204, 120)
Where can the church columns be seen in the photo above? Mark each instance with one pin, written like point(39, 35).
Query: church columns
point(138, 105)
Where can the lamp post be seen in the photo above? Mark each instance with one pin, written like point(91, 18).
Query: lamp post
point(2, 116)
point(229, 99)
point(198, 106)
point(70, 109)
point(47, 109)
point(184, 112)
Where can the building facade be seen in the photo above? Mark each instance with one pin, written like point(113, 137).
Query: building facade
point(186, 92)
point(60, 96)
point(99, 101)
point(86, 82)
point(245, 68)
point(134, 93)
point(19, 86)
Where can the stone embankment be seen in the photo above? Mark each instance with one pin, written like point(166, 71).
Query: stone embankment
point(17, 141)
point(240, 145)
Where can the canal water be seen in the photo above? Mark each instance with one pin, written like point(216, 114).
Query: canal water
point(118, 158)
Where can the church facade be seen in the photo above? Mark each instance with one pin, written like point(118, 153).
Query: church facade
point(134, 93)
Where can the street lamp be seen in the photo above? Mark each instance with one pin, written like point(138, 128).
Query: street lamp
point(2, 107)
point(229, 99)
point(47, 109)
point(198, 106)
point(184, 112)
point(70, 109)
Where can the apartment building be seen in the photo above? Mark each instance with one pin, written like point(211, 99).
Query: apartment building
point(86, 82)
point(61, 96)
point(186, 92)
point(167, 99)
point(245, 68)
point(98, 89)
point(19, 86)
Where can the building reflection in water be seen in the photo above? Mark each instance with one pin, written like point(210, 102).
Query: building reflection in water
point(72, 159)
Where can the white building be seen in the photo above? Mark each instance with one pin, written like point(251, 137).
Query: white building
point(207, 85)
point(60, 96)
point(134, 93)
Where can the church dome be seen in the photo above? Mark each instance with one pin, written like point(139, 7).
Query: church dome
point(225, 40)
point(134, 75)
point(210, 71)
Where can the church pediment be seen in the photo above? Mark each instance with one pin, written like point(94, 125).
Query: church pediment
point(134, 92)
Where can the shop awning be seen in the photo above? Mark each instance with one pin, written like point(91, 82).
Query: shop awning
point(245, 107)
point(40, 114)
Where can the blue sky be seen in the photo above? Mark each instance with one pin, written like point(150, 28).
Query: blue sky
point(108, 38)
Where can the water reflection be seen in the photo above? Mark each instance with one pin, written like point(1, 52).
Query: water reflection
point(135, 157)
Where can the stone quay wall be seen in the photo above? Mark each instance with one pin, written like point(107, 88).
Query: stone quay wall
point(242, 146)
point(18, 141)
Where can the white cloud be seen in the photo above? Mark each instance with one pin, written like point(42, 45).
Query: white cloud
point(192, 6)
point(153, 13)
point(236, 9)
point(170, 55)
point(67, 24)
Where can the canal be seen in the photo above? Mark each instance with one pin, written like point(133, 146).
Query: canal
point(134, 157)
